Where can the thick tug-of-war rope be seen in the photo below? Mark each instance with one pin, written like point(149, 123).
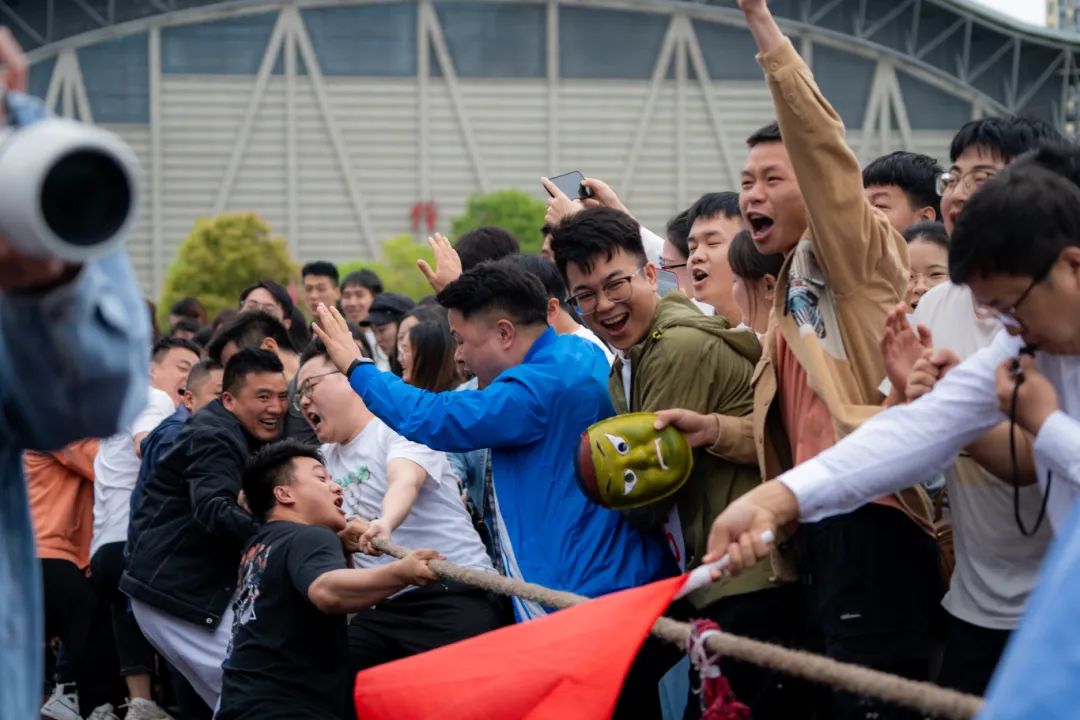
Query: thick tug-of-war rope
point(923, 696)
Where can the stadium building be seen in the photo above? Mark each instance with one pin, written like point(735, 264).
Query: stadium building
point(340, 120)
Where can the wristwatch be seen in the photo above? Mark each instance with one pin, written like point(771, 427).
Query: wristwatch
point(355, 364)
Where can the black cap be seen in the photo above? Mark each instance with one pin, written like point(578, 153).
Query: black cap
point(388, 308)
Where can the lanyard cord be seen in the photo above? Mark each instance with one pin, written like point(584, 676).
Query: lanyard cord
point(1016, 466)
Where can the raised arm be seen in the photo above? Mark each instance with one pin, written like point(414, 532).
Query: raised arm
point(504, 414)
point(853, 242)
point(74, 360)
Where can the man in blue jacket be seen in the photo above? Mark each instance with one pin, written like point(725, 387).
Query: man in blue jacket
point(538, 392)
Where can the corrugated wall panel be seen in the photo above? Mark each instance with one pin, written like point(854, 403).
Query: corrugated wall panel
point(138, 242)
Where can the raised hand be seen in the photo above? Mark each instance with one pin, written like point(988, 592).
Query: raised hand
point(447, 263)
point(902, 346)
point(603, 196)
point(333, 330)
point(560, 206)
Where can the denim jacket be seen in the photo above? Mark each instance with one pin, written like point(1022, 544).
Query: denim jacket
point(73, 364)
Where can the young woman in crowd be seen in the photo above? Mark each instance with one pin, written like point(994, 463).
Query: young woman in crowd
point(753, 281)
point(928, 253)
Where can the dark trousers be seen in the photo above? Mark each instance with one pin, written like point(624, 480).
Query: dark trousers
point(422, 619)
point(774, 615)
point(971, 654)
point(106, 567)
point(873, 584)
point(69, 616)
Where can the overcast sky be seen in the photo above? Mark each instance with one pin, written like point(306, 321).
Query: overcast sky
point(1032, 11)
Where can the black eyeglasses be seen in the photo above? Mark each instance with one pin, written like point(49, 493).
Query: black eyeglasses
point(617, 290)
point(1007, 317)
point(306, 388)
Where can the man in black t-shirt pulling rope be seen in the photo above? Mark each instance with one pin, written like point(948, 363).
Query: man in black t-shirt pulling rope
point(288, 655)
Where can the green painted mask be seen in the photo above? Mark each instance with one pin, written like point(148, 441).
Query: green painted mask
point(622, 462)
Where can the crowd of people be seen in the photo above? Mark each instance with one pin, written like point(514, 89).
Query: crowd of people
point(877, 364)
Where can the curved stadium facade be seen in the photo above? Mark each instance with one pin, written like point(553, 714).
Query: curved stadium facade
point(333, 119)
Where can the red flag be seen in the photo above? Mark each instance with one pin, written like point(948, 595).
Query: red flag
point(570, 664)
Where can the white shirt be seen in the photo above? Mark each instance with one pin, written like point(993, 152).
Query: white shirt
point(586, 334)
point(995, 570)
point(653, 245)
point(116, 468)
point(908, 442)
point(438, 518)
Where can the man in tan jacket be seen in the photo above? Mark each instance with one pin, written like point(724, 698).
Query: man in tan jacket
point(872, 575)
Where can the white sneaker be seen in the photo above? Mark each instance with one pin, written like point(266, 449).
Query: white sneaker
point(103, 712)
point(142, 709)
point(63, 704)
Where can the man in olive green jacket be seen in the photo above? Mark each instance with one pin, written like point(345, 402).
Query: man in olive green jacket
point(670, 355)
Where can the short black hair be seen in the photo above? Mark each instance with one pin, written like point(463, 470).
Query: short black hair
point(299, 329)
point(249, 361)
point(189, 307)
point(270, 467)
point(203, 336)
point(498, 286)
point(320, 268)
point(485, 243)
point(1061, 157)
point(929, 230)
point(249, 330)
point(1007, 137)
point(678, 232)
point(767, 134)
point(165, 344)
point(1017, 224)
point(546, 272)
point(280, 294)
point(746, 262)
point(915, 174)
point(584, 237)
point(200, 373)
point(185, 324)
point(363, 278)
point(711, 205)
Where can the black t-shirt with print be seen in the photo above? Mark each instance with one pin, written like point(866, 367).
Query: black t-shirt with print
point(286, 659)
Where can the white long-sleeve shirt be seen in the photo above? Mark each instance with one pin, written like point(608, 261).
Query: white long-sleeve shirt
point(900, 446)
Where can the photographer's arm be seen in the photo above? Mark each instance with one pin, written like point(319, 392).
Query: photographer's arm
point(74, 357)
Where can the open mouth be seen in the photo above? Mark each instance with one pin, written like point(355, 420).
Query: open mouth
point(270, 424)
point(698, 276)
point(615, 324)
point(760, 226)
point(314, 419)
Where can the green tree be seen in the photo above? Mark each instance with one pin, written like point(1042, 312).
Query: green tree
point(397, 268)
point(222, 255)
point(512, 210)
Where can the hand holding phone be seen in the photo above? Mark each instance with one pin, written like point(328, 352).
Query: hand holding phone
point(572, 185)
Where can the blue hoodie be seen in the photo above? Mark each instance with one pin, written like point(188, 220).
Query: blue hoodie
point(532, 416)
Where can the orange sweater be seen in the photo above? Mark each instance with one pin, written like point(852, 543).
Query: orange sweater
point(60, 486)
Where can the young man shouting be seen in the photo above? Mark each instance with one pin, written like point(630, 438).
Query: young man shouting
point(287, 656)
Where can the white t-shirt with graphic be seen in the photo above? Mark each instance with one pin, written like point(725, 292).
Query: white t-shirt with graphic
point(438, 519)
point(116, 468)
